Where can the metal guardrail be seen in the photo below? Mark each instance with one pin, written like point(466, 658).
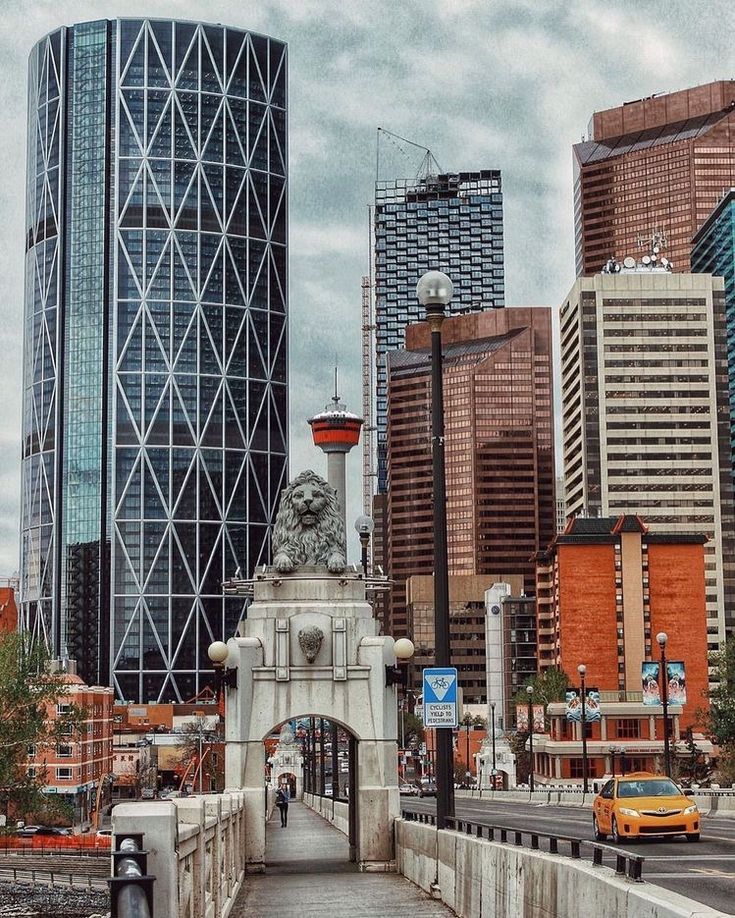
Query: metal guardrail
point(55, 878)
point(630, 865)
point(131, 889)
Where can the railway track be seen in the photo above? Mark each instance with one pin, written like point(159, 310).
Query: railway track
point(62, 864)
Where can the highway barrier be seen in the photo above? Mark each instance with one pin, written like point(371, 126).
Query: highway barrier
point(479, 878)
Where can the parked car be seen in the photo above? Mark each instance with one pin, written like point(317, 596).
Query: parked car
point(103, 833)
point(642, 804)
point(407, 790)
point(427, 787)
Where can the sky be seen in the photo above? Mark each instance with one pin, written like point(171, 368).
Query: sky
point(486, 84)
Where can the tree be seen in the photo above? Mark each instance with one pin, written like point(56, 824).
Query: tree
point(413, 731)
point(27, 689)
point(548, 686)
point(720, 719)
point(196, 737)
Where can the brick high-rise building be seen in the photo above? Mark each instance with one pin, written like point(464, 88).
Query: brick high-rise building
point(614, 584)
point(499, 449)
point(657, 164)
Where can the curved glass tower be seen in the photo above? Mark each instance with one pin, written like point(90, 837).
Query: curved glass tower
point(155, 366)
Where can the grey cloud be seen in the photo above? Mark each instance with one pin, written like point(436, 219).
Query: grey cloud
point(507, 84)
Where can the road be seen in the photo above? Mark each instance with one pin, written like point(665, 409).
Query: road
point(704, 871)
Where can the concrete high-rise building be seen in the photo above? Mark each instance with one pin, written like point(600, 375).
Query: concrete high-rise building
point(655, 165)
point(155, 402)
point(451, 222)
point(645, 411)
point(713, 252)
point(498, 443)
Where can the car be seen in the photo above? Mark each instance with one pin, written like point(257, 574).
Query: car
point(29, 831)
point(407, 790)
point(641, 805)
point(103, 833)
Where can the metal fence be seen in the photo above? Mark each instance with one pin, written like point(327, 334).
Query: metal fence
point(630, 865)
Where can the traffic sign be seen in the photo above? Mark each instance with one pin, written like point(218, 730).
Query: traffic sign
point(440, 697)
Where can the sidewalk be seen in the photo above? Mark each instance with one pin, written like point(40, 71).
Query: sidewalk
point(308, 875)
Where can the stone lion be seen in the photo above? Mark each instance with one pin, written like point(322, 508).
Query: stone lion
point(309, 527)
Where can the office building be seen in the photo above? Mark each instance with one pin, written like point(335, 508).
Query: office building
point(498, 445)
point(645, 411)
point(452, 222)
point(713, 252)
point(658, 164)
point(614, 584)
point(155, 405)
point(467, 615)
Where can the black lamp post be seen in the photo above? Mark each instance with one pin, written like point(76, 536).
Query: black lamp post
point(434, 291)
point(582, 670)
point(662, 638)
point(492, 731)
point(529, 690)
point(364, 526)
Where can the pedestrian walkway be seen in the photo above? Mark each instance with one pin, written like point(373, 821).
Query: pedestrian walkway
point(308, 875)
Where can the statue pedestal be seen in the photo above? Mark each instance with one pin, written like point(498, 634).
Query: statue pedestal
point(310, 647)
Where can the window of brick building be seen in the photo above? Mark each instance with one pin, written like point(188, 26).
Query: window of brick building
point(628, 728)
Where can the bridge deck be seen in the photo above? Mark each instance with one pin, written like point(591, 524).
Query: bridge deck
point(308, 875)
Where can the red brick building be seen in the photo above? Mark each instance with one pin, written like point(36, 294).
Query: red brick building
point(656, 164)
point(607, 586)
point(498, 447)
point(8, 608)
point(80, 770)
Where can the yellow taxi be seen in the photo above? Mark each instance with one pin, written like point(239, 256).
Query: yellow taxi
point(642, 804)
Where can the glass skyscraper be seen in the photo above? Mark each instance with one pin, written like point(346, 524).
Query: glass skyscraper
point(713, 252)
point(155, 366)
point(451, 223)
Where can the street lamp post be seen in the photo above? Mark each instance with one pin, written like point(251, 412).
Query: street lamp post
point(364, 526)
point(529, 691)
point(468, 774)
point(662, 638)
point(582, 670)
point(434, 292)
point(492, 710)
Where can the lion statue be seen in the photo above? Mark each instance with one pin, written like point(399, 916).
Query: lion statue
point(309, 527)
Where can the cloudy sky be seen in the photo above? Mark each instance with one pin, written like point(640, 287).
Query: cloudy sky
point(506, 84)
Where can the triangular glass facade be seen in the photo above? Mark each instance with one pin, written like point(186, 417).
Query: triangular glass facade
point(154, 424)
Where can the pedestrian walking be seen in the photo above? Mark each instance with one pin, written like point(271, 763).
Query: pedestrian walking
point(282, 798)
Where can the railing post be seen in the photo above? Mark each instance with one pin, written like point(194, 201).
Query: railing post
point(157, 820)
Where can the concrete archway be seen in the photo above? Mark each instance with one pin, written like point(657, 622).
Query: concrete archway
point(310, 645)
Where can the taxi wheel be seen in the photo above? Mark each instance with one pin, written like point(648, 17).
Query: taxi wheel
point(599, 836)
point(693, 837)
point(616, 836)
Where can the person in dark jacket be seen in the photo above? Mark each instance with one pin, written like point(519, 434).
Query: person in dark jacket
point(282, 798)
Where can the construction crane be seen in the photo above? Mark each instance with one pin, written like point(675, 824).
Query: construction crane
point(368, 431)
point(428, 165)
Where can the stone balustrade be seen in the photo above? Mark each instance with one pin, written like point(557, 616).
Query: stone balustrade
point(196, 851)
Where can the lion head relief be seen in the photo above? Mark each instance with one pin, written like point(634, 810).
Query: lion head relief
point(309, 527)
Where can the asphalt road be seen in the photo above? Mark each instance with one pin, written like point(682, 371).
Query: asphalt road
point(704, 871)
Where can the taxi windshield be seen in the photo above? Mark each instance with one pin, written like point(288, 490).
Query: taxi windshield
point(659, 787)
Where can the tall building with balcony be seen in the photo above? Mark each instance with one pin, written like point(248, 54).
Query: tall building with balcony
point(155, 377)
point(451, 222)
point(713, 252)
point(658, 164)
point(498, 445)
point(645, 411)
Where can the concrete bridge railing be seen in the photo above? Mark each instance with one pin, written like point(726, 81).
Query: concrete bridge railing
point(196, 851)
point(478, 878)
